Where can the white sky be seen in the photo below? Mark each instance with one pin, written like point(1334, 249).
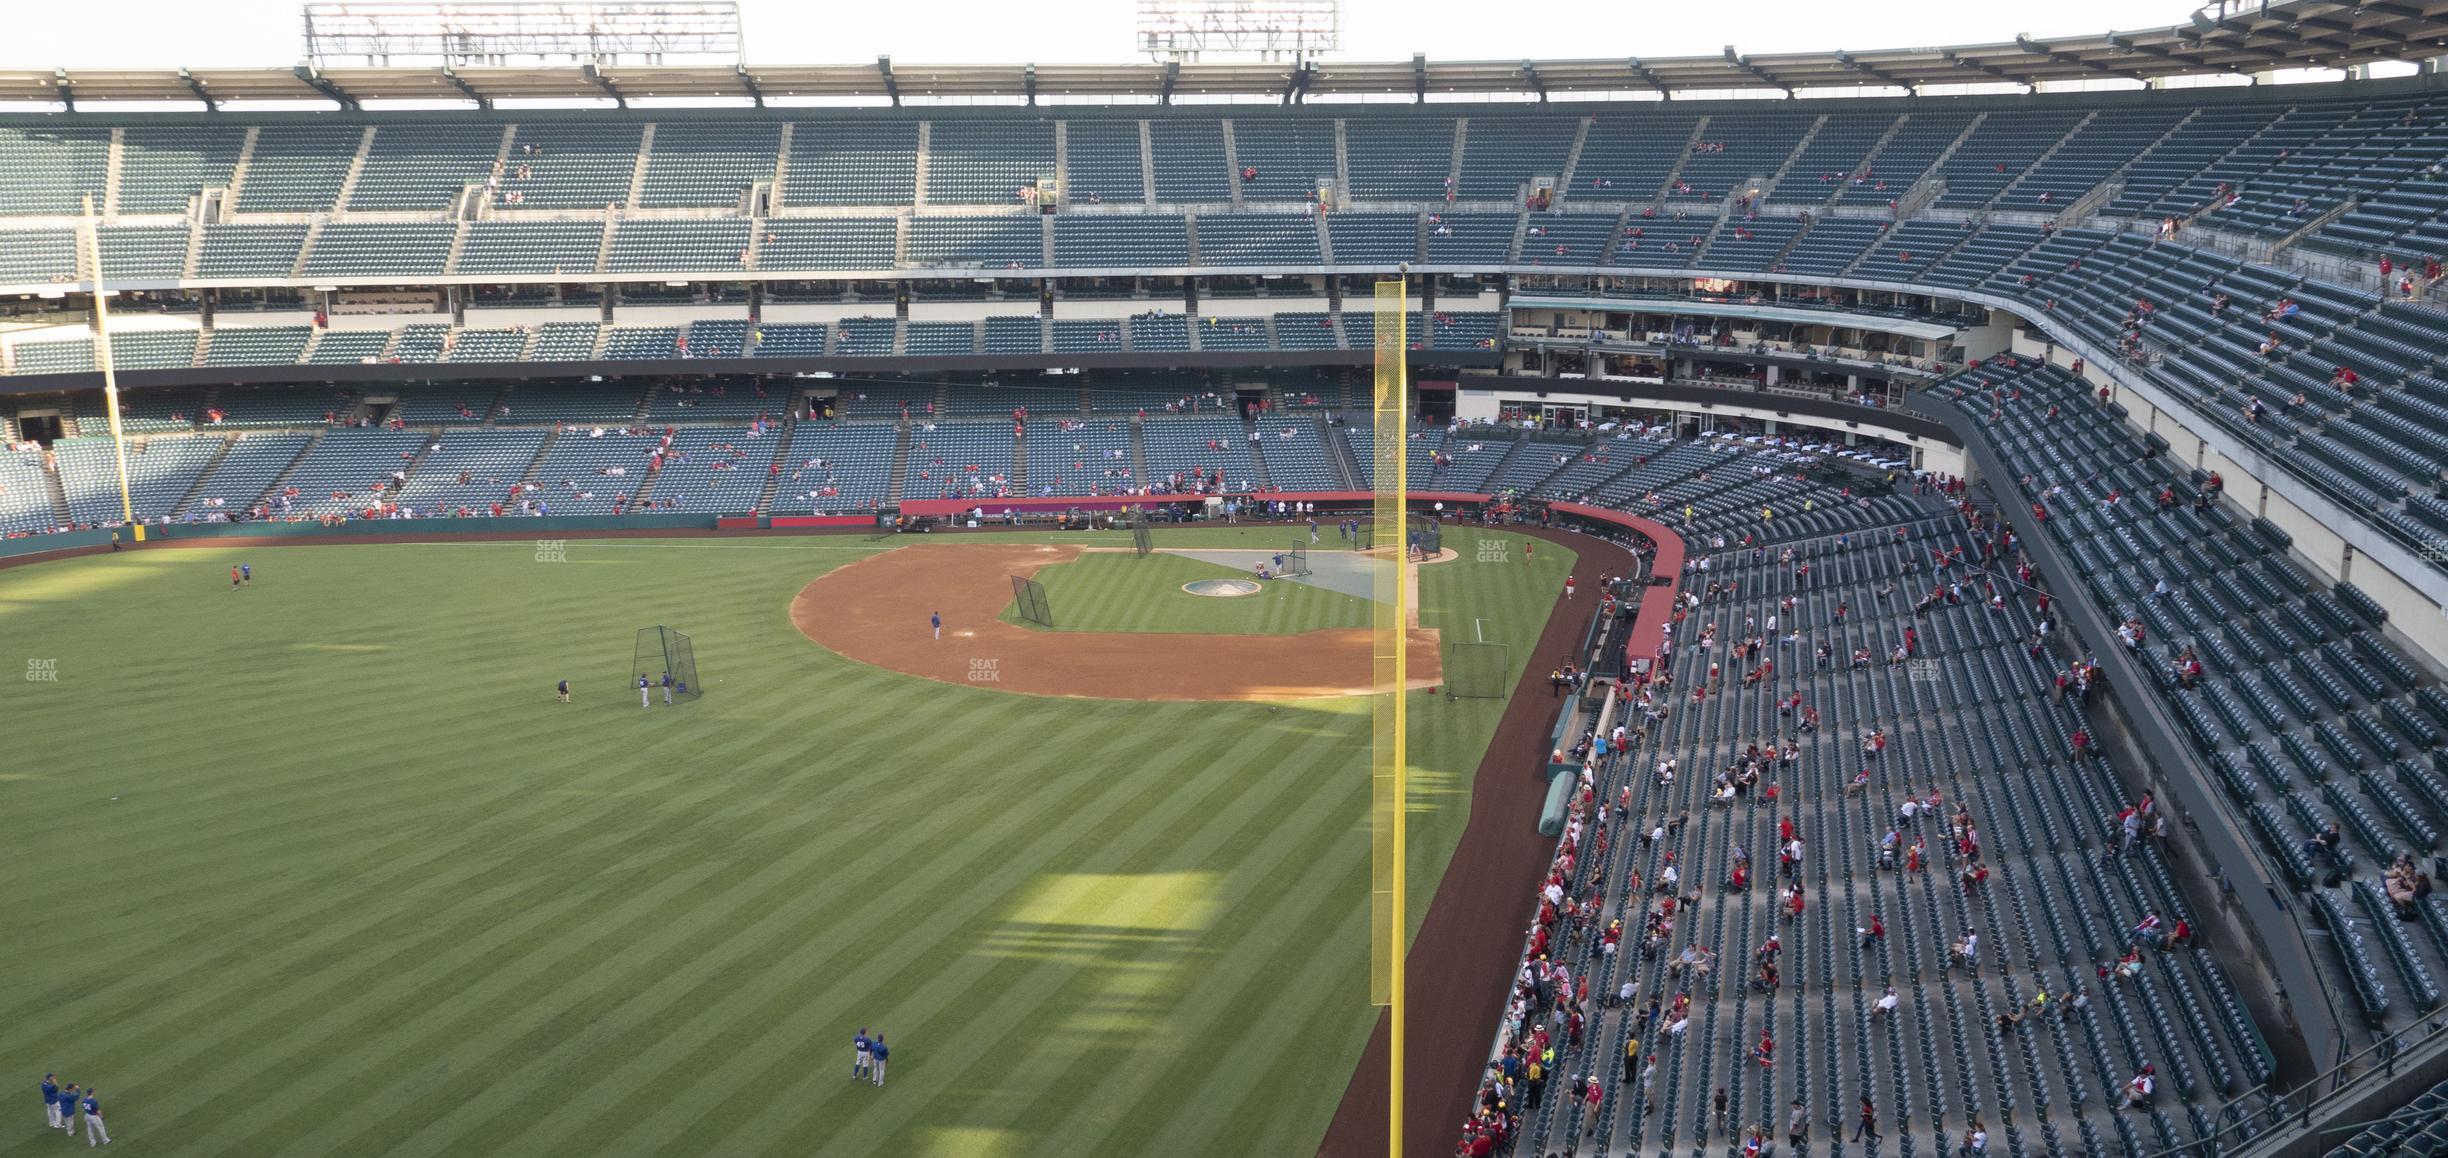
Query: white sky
point(239, 33)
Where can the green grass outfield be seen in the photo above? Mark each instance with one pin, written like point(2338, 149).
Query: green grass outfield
point(319, 868)
point(1119, 591)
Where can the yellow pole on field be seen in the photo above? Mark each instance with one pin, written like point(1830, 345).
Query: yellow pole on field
point(91, 237)
point(1389, 755)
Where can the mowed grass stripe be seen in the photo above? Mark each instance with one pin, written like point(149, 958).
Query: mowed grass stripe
point(1261, 934)
point(972, 1018)
point(1269, 1083)
point(921, 964)
point(661, 978)
point(801, 872)
point(881, 893)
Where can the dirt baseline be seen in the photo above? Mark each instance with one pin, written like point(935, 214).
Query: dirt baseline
point(875, 611)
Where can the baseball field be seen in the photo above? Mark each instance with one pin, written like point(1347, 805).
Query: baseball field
point(320, 867)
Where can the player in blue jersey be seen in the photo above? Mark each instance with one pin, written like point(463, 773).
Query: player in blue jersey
point(859, 1059)
point(50, 1093)
point(95, 1133)
point(877, 1052)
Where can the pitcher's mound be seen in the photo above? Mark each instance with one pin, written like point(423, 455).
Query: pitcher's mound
point(1222, 588)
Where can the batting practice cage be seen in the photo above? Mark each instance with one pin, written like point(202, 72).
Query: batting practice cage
point(1476, 671)
point(1029, 601)
point(1296, 561)
point(1427, 536)
point(661, 651)
point(1140, 538)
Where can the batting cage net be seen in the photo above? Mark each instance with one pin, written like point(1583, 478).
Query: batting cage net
point(663, 653)
point(1029, 602)
point(1427, 537)
point(1140, 538)
point(1476, 671)
point(1296, 561)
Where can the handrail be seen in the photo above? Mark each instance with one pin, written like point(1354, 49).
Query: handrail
point(2299, 1102)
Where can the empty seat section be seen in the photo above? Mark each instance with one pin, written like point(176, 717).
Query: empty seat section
point(1626, 156)
point(1014, 334)
point(160, 471)
point(249, 251)
point(1257, 239)
point(795, 243)
point(2006, 144)
point(424, 166)
point(708, 164)
point(1159, 333)
point(143, 252)
point(253, 461)
point(361, 249)
point(1833, 155)
point(1295, 458)
point(1133, 242)
point(162, 167)
point(1502, 153)
point(1284, 154)
point(1907, 155)
point(1101, 159)
point(1398, 157)
point(52, 170)
point(1088, 335)
point(1567, 239)
point(565, 342)
point(2112, 140)
point(987, 160)
point(852, 162)
point(1079, 457)
point(939, 339)
point(865, 337)
point(257, 345)
point(1830, 244)
point(1187, 153)
point(502, 246)
point(1374, 239)
point(1481, 240)
point(1736, 147)
point(660, 245)
point(790, 340)
point(1232, 334)
point(37, 256)
point(567, 165)
point(297, 168)
point(1015, 242)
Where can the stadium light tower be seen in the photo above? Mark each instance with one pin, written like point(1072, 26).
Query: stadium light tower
point(1286, 30)
point(479, 33)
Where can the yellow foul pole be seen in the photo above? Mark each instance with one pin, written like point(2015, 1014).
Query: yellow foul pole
point(91, 236)
point(1389, 755)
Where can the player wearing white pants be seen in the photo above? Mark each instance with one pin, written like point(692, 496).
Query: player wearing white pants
point(50, 1093)
point(95, 1134)
point(643, 702)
